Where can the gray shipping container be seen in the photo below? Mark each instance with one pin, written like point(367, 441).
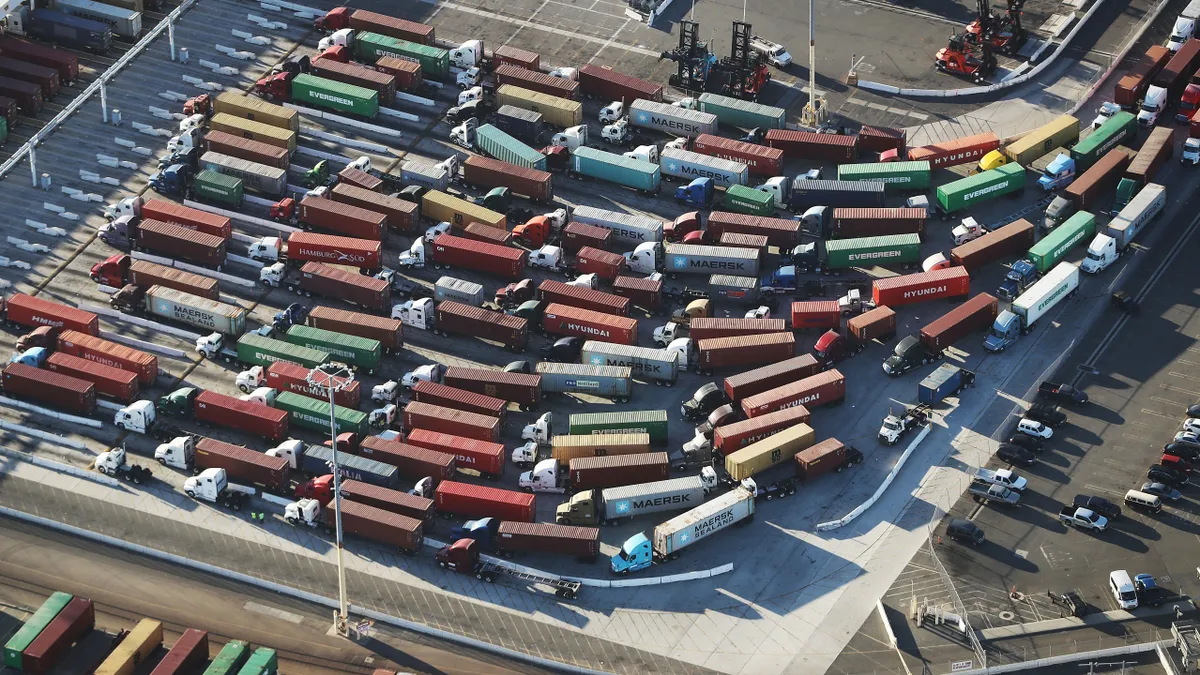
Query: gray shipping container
point(733, 287)
point(194, 310)
point(692, 259)
point(578, 378)
point(255, 177)
point(626, 227)
point(425, 173)
point(655, 365)
point(459, 290)
point(124, 22)
point(670, 119)
point(663, 495)
point(526, 125)
point(689, 166)
point(805, 194)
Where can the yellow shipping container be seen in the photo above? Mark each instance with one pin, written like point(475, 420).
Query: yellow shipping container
point(145, 638)
point(439, 207)
point(768, 452)
point(566, 448)
point(256, 109)
point(255, 131)
point(1062, 131)
point(557, 111)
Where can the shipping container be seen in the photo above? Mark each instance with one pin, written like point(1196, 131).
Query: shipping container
point(876, 324)
point(52, 26)
point(709, 260)
point(745, 350)
point(478, 501)
point(1003, 242)
point(264, 661)
point(671, 119)
point(781, 232)
point(829, 454)
point(253, 108)
point(820, 314)
point(582, 542)
point(375, 462)
point(111, 382)
point(534, 80)
point(455, 318)
point(607, 84)
point(525, 125)
point(950, 282)
point(634, 174)
point(193, 310)
point(603, 264)
point(229, 659)
point(389, 332)
point(486, 234)
point(748, 200)
point(1054, 247)
point(8, 112)
point(520, 388)
point(590, 473)
point(410, 461)
point(1175, 75)
point(255, 177)
point(401, 29)
point(653, 422)
point(313, 413)
point(34, 312)
point(352, 176)
point(419, 415)
point(559, 112)
point(425, 173)
point(865, 252)
point(341, 218)
point(707, 519)
point(44, 653)
point(321, 92)
point(710, 328)
point(109, 353)
point(551, 290)
point(1116, 130)
point(381, 83)
point(460, 399)
point(729, 438)
point(61, 60)
point(458, 290)
point(775, 449)
point(627, 228)
point(688, 166)
point(378, 525)
point(967, 150)
point(255, 131)
point(485, 457)
point(659, 366)
point(523, 177)
point(46, 78)
point(359, 352)
point(257, 350)
point(506, 151)
point(288, 376)
point(759, 159)
point(614, 382)
point(559, 319)
point(1098, 182)
point(145, 639)
point(758, 380)
point(877, 222)
point(1060, 132)
point(805, 194)
point(1130, 89)
point(435, 62)
point(819, 147)
point(617, 504)
point(27, 95)
point(188, 653)
point(185, 216)
point(243, 148)
point(335, 250)
point(975, 314)
point(336, 282)
point(1155, 151)
point(893, 175)
point(506, 55)
point(401, 214)
point(439, 206)
point(230, 412)
point(1147, 204)
point(734, 112)
point(882, 139)
point(33, 627)
point(55, 389)
point(642, 292)
point(175, 241)
point(394, 501)
point(826, 388)
point(966, 192)
point(578, 235)
point(214, 187)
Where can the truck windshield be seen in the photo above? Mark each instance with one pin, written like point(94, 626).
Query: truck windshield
point(1150, 108)
point(890, 424)
point(1094, 256)
point(996, 332)
point(1187, 105)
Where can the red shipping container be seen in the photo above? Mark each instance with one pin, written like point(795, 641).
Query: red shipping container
point(578, 235)
point(337, 282)
point(328, 248)
point(876, 222)
point(27, 95)
point(112, 382)
point(407, 73)
point(75, 621)
point(816, 314)
point(402, 215)
point(419, 415)
point(66, 63)
point(487, 234)
point(401, 29)
point(505, 261)
point(185, 216)
point(535, 184)
point(1012, 239)
point(455, 318)
point(760, 159)
point(358, 178)
point(609, 85)
point(978, 313)
point(881, 139)
point(770, 376)
point(781, 232)
point(534, 80)
point(756, 242)
point(711, 328)
point(552, 290)
point(249, 150)
point(217, 409)
point(591, 473)
point(1194, 127)
point(950, 282)
point(958, 151)
point(342, 218)
point(389, 332)
point(9, 111)
point(34, 312)
point(188, 653)
point(288, 376)
point(54, 389)
point(387, 499)
point(46, 78)
point(745, 350)
point(357, 75)
point(582, 542)
point(242, 465)
point(827, 388)
point(478, 501)
point(383, 527)
point(524, 389)
point(807, 145)
point(109, 353)
point(733, 437)
point(643, 292)
point(176, 241)
point(413, 462)
point(560, 319)
point(1130, 89)
point(146, 274)
point(591, 260)
point(469, 453)
point(820, 458)
point(459, 399)
point(511, 56)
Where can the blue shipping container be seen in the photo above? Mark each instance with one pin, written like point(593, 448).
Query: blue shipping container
point(946, 380)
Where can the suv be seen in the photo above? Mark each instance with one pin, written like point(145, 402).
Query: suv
point(1047, 414)
point(1149, 592)
point(964, 531)
point(1165, 474)
point(1072, 604)
point(1098, 504)
point(1015, 454)
point(1034, 428)
point(1026, 441)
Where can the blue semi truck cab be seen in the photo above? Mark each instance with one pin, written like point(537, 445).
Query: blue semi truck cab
point(782, 280)
point(1020, 276)
point(482, 531)
point(171, 181)
point(698, 193)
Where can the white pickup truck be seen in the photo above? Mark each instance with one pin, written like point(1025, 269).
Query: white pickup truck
point(1084, 519)
point(1004, 477)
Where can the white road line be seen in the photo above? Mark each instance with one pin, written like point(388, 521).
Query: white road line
point(1157, 414)
point(521, 28)
point(273, 611)
point(525, 23)
point(894, 111)
point(610, 41)
point(1174, 373)
point(1168, 401)
point(1189, 392)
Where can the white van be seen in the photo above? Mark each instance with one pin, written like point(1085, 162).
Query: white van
point(1122, 589)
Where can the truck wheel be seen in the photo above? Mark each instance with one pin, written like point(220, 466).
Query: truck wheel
point(135, 478)
point(162, 461)
point(190, 493)
point(236, 506)
point(102, 470)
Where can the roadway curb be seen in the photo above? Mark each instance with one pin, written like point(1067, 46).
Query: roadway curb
point(296, 593)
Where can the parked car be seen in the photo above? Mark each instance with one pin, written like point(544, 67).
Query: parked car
point(1034, 428)
point(964, 531)
point(1070, 602)
point(1098, 504)
point(1176, 462)
point(1165, 474)
point(1193, 410)
point(1192, 424)
point(1189, 452)
point(1046, 413)
point(1015, 454)
point(1161, 490)
point(1149, 592)
point(1188, 437)
point(1028, 442)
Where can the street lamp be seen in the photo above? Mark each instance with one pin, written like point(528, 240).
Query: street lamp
point(334, 377)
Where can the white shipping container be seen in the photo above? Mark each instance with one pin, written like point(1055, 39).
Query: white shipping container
point(1041, 297)
point(688, 166)
point(693, 259)
point(582, 378)
point(626, 227)
point(663, 495)
point(459, 290)
point(656, 365)
point(124, 22)
point(710, 518)
point(1148, 203)
point(670, 119)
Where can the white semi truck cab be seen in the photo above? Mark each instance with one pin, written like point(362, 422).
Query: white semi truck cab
point(179, 452)
point(571, 137)
point(431, 372)
point(214, 487)
point(138, 417)
point(546, 476)
point(414, 257)
point(539, 431)
point(415, 313)
point(292, 450)
point(612, 112)
point(1101, 253)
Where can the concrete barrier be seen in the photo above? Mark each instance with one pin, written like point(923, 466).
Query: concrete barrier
point(59, 467)
point(44, 435)
point(1133, 38)
point(73, 419)
point(339, 119)
point(861, 508)
point(1069, 658)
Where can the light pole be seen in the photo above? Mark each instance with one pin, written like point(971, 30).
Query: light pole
point(334, 377)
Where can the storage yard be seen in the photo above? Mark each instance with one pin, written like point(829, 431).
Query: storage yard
point(584, 347)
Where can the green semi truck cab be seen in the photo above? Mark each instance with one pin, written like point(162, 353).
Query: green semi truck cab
point(178, 403)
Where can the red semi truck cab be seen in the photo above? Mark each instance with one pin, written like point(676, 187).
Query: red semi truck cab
point(277, 87)
point(461, 556)
point(334, 20)
point(319, 488)
point(112, 271)
point(1188, 103)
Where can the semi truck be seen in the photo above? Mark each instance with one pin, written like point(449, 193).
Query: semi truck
point(611, 382)
point(331, 282)
point(660, 366)
point(676, 259)
point(629, 229)
point(1120, 232)
point(635, 174)
point(614, 505)
point(1058, 284)
point(167, 239)
point(178, 306)
point(966, 192)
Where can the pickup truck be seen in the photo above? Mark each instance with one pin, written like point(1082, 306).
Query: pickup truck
point(1004, 477)
point(984, 492)
point(895, 426)
point(1047, 414)
point(1061, 393)
point(1084, 519)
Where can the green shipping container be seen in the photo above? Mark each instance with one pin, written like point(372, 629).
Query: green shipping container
point(893, 175)
point(359, 352)
point(1107, 136)
point(498, 144)
point(231, 657)
point(33, 627)
point(653, 422)
point(735, 112)
point(745, 199)
point(981, 187)
point(632, 173)
point(314, 414)
point(262, 662)
point(3, 130)
point(257, 350)
point(335, 96)
point(869, 251)
point(217, 187)
point(435, 63)
point(1054, 247)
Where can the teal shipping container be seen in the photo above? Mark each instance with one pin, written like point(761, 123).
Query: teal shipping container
point(435, 62)
point(734, 112)
point(964, 192)
point(631, 173)
point(499, 145)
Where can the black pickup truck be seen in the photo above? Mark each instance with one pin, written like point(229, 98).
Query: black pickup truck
point(1061, 393)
